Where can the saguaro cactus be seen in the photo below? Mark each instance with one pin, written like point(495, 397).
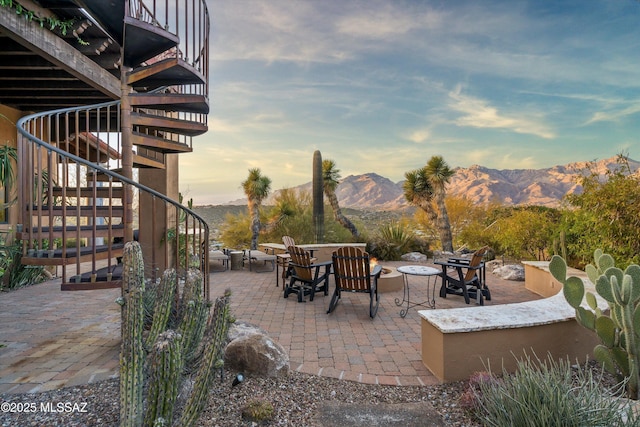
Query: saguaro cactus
point(619, 328)
point(132, 354)
point(164, 379)
point(318, 201)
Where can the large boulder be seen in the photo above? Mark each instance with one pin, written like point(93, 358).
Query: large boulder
point(510, 272)
point(258, 354)
point(414, 257)
point(241, 328)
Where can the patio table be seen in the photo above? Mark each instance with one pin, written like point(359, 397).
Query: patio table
point(417, 270)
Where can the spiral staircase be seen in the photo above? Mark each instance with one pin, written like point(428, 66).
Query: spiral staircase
point(80, 169)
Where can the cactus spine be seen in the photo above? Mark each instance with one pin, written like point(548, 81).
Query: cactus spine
point(318, 201)
point(132, 354)
point(618, 331)
point(165, 371)
point(215, 340)
point(163, 306)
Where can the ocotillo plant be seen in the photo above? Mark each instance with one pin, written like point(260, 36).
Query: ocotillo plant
point(618, 328)
point(318, 201)
point(132, 354)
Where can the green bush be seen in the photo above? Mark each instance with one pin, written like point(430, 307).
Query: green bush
point(550, 393)
point(14, 274)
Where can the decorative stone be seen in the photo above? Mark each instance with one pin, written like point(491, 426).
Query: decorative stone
point(257, 354)
point(414, 257)
point(510, 272)
point(241, 328)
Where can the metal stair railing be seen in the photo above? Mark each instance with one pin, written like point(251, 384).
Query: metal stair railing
point(62, 153)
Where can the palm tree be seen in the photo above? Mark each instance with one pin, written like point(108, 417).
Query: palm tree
point(331, 179)
point(256, 187)
point(439, 174)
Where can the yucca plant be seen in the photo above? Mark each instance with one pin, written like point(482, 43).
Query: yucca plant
point(393, 241)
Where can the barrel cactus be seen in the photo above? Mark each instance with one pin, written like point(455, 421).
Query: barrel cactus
point(618, 325)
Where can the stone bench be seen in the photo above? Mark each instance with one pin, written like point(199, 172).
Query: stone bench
point(460, 341)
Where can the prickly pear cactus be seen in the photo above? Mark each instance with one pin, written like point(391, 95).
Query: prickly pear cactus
point(164, 379)
point(618, 327)
point(132, 354)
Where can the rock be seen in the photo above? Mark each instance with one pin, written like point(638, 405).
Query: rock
point(443, 255)
point(414, 257)
point(241, 328)
point(510, 272)
point(257, 354)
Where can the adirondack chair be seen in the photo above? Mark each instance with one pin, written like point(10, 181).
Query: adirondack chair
point(467, 277)
point(307, 277)
point(352, 272)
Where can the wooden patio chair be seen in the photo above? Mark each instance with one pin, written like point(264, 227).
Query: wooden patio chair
point(467, 278)
point(352, 272)
point(306, 277)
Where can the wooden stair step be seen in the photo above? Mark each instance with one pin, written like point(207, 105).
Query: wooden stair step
point(144, 41)
point(147, 162)
point(71, 256)
point(103, 192)
point(159, 144)
point(116, 211)
point(171, 102)
point(164, 73)
point(168, 124)
point(104, 278)
point(86, 231)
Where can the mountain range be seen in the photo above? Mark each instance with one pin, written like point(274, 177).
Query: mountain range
point(545, 187)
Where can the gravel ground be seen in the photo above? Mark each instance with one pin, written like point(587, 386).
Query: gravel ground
point(296, 400)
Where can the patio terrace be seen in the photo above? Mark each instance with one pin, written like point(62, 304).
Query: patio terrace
point(54, 339)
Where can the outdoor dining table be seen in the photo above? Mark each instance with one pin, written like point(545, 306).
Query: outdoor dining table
point(417, 270)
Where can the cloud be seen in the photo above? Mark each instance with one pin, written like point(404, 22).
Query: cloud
point(419, 136)
point(478, 113)
point(615, 115)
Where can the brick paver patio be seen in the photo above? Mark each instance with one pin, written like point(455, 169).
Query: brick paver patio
point(52, 339)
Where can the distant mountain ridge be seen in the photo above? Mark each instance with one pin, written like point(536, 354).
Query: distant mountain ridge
point(545, 187)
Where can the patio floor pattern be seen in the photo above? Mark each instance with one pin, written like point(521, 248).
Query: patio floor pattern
point(51, 339)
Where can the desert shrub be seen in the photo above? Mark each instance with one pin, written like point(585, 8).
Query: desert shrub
point(14, 274)
point(258, 410)
point(550, 393)
point(395, 239)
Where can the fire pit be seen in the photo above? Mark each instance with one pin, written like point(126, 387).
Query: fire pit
point(390, 280)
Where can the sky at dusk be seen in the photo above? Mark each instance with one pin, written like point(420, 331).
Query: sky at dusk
point(381, 86)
